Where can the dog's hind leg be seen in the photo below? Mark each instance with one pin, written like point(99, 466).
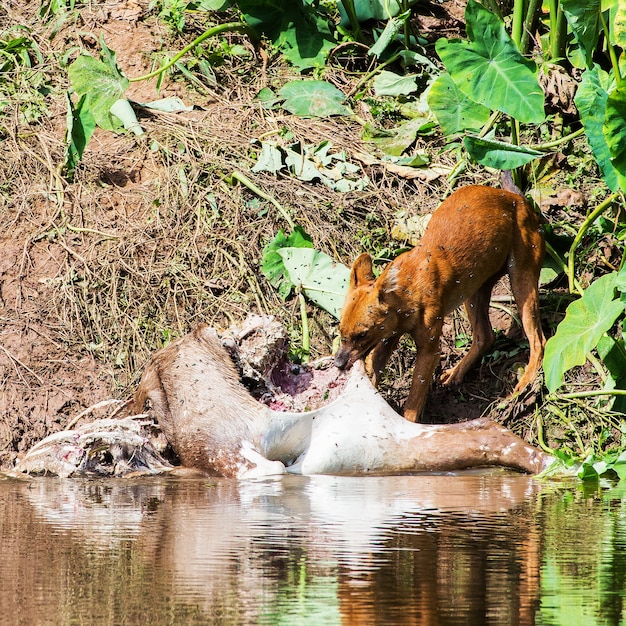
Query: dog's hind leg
point(524, 268)
point(483, 337)
point(526, 294)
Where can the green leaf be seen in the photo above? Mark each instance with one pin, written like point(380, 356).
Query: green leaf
point(388, 35)
point(591, 101)
point(210, 5)
point(272, 264)
point(619, 467)
point(583, 17)
point(270, 159)
point(301, 30)
point(498, 154)
point(587, 470)
point(313, 98)
point(300, 165)
point(267, 98)
point(586, 320)
point(615, 128)
point(620, 282)
point(392, 84)
point(322, 280)
point(490, 70)
point(124, 112)
point(103, 84)
point(613, 354)
point(306, 49)
point(310, 162)
point(80, 127)
point(619, 26)
point(372, 9)
point(454, 111)
point(401, 137)
point(317, 163)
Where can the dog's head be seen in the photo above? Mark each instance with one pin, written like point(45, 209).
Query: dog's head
point(367, 316)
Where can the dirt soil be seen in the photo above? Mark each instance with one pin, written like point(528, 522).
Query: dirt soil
point(153, 234)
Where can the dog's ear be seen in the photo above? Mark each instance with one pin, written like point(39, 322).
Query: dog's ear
point(362, 271)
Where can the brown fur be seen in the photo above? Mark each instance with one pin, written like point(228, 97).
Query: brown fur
point(192, 389)
point(476, 236)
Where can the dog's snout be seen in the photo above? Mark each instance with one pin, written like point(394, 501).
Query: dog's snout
point(341, 359)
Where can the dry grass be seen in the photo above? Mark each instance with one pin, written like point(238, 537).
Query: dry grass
point(153, 235)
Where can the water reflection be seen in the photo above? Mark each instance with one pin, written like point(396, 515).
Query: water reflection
point(497, 548)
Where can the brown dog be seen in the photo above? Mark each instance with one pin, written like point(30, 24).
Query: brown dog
point(476, 236)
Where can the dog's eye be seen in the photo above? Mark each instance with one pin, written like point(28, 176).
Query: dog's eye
point(360, 336)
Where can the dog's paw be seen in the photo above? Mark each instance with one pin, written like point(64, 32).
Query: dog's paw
point(451, 377)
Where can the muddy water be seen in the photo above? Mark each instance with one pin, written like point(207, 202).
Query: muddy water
point(497, 548)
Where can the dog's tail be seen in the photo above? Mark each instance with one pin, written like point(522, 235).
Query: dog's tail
point(506, 181)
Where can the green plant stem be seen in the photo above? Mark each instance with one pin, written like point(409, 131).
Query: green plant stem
point(558, 142)
point(566, 420)
point(495, 116)
point(597, 366)
point(540, 438)
point(558, 30)
point(376, 70)
point(348, 6)
point(562, 264)
point(457, 170)
point(592, 393)
point(306, 340)
point(534, 9)
point(611, 49)
point(591, 218)
point(254, 189)
point(518, 23)
point(216, 30)
point(515, 132)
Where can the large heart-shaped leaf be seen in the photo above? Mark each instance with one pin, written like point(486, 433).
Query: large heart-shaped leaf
point(322, 280)
point(300, 29)
point(615, 128)
point(80, 127)
point(498, 154)
point(103, 84)
point(583, 17)
point(272, 264)
point(591, 102)
point(392, 84)
point(586, 320)
point(490, 70)
point(619, 26)
point(308, 48)
point(454, 111)
point(313, 98)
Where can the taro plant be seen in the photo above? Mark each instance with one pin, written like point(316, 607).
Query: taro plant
point(488, 78)
point(100, 85)
point(601, 102)
point(290, 262)
point(23, 79)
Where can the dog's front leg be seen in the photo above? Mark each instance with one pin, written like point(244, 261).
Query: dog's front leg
point(380, 356)
point(428, 356)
